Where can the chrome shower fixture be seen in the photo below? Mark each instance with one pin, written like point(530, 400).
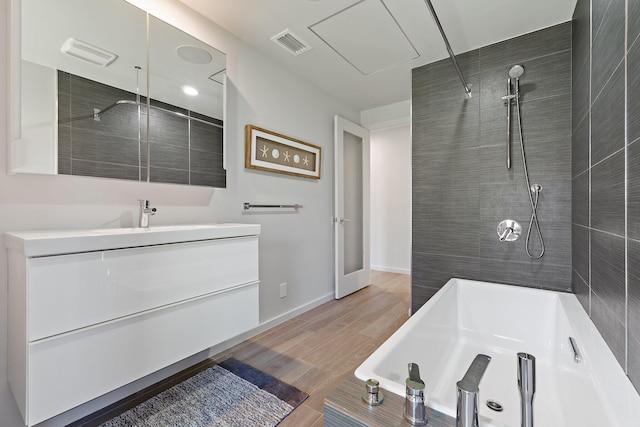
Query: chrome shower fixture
point(513, 93)
point(507, 99)
point(534, 196)
point(516, 71)
point(514, 75)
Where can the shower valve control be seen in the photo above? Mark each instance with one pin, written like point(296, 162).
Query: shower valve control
point(509, 230)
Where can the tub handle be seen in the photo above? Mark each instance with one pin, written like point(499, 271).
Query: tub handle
point(468, 390)
point(577, 357)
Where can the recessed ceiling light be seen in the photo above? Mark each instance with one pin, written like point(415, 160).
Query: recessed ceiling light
point(193, 54)
point(190, 90)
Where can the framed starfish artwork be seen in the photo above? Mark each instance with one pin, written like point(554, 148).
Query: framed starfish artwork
point(270, 151)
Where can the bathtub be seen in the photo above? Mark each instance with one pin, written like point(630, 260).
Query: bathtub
point(468, 317)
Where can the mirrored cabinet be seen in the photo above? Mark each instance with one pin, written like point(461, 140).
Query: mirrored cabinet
point(106, 90)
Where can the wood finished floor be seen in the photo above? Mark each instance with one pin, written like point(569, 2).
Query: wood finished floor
point(319, 349)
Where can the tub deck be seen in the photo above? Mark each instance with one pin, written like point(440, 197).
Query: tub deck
point(345, 408)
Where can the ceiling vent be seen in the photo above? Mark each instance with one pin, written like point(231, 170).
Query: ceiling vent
point(292, 43)
point(88, 52)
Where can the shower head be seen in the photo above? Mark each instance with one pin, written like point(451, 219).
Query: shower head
point(516, 71)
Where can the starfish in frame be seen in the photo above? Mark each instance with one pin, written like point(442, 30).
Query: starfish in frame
point(264, 150)
point(287, 156)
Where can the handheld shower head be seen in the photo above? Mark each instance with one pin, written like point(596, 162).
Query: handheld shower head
point(516, 71)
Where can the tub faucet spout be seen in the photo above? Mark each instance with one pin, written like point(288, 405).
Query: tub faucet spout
point(415, 410)
point(145, 211)
point(468, 389)
point(527, 386)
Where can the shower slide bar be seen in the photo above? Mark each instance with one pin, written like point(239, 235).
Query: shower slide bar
point(452, 55)
point(507, 99)
point(248, 206)
point(97, 112)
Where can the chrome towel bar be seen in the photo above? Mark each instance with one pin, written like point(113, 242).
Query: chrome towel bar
point(248, 206)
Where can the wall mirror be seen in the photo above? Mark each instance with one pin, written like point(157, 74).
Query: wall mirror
point(107, 90)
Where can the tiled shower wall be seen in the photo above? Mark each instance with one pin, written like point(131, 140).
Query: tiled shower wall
point(461, 186)
point(182, 151)
point(606, 172)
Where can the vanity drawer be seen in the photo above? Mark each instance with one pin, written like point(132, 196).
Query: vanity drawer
point(69, 292)
point(71, 369)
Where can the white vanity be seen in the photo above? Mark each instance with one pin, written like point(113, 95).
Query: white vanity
point(91, 311)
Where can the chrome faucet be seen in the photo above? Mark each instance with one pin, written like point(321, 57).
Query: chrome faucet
point(145, 211)
point(527, 386)
point(468, 389)
point(415, 410)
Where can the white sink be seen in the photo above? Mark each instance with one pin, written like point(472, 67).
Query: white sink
point(45, 243)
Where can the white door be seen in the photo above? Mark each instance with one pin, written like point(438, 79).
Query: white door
point(351, 211)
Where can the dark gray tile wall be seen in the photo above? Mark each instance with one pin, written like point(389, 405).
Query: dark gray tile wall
point(461, 187)
point(206, 166)
point(606, 173)
point(182, 151)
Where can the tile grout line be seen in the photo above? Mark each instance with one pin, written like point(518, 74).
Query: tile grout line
point(590, 132)
point(626, 190)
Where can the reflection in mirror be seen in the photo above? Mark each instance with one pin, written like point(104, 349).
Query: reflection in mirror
point(185, 135)
point(84, 104)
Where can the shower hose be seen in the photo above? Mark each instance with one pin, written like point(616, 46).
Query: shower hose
point(534, 194)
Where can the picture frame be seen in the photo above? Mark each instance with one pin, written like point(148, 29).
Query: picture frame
point(271, 151)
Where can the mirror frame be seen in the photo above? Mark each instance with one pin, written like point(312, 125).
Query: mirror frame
point(15, 82)
point(15, 77)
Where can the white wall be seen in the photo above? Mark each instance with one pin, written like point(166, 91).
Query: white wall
point(387, 116)
point(294, 248)
point(36, 151)
point(391, 199)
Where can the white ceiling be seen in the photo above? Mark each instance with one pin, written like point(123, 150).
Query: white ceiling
point(469, 24)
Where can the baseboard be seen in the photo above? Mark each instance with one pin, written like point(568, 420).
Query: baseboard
point(391, 269)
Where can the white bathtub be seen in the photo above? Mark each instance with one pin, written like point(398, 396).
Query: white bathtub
point(467, 317)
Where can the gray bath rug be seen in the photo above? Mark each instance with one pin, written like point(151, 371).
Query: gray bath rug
point(231, 394)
